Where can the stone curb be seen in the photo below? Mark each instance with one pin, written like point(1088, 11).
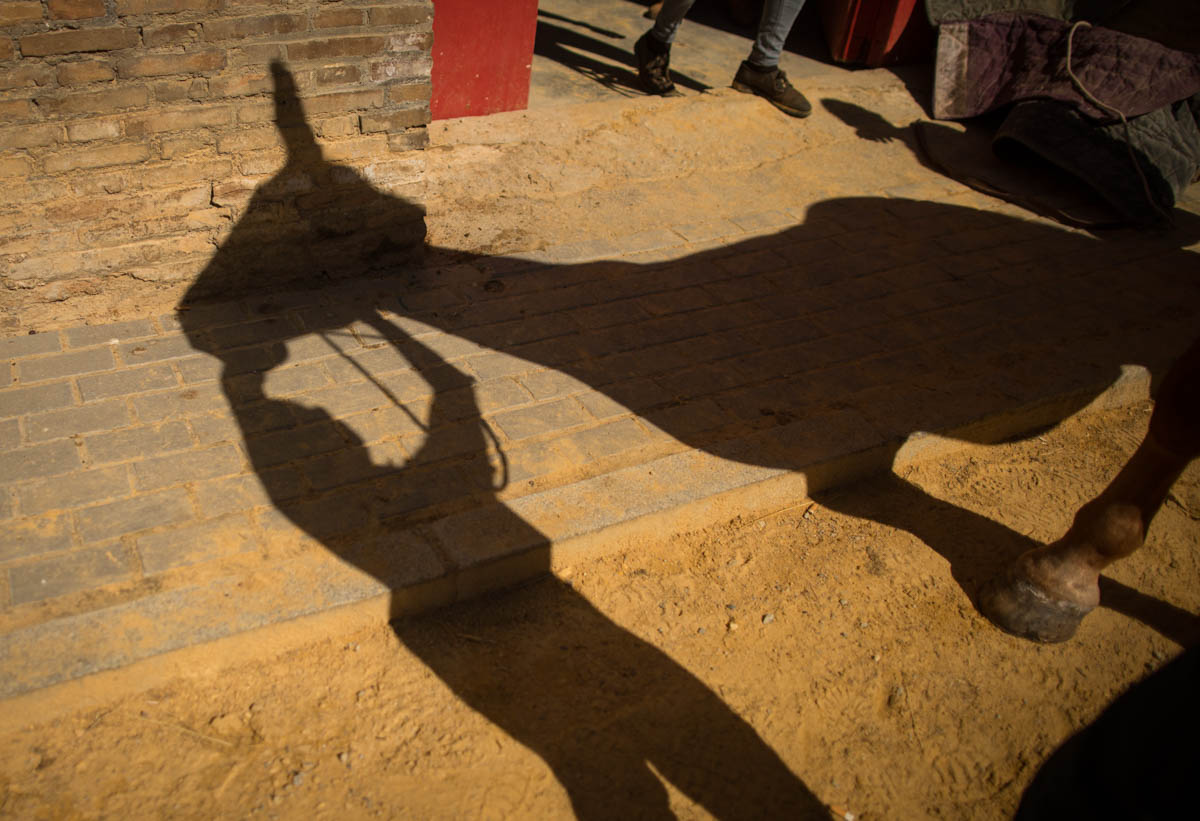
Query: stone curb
point(580, 521)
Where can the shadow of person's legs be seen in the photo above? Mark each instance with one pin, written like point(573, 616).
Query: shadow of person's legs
point(602, 707)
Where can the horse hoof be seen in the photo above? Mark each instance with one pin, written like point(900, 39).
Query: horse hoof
point(1015, 604)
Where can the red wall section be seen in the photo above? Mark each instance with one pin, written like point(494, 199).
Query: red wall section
point(482, 50)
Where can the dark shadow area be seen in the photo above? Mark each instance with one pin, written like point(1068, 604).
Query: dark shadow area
point(874, 319)
point(807, 37)
point(977, 547)
point(1136, 760)
point(598, 704)
point(572, 49)
point(971, 153)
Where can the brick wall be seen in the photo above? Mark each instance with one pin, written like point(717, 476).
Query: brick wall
point(133, 133)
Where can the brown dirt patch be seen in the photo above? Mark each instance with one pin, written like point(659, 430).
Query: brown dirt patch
point(850, 646)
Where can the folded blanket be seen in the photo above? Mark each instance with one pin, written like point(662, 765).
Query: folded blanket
point(993, 61)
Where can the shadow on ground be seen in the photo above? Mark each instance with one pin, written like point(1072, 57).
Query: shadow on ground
point(874, 316)
point(617, 70)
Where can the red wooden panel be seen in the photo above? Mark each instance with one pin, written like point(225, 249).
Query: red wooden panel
point(876, 32)
point(482, 51)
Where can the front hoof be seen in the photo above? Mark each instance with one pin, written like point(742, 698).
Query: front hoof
point(1015, 604)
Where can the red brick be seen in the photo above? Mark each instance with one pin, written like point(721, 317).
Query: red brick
point(86, 130)
point(72, 42)
point(84, 336)
point(400, 15)
point(364, 147)
point(82, 488)
point(85, 71)
point(338, 75)
point(99, 102)
point(19, 11)
point(186, 119)
point(34, 536)
point(136, 443)
point(336, 47)
point(73, 363)
point(393, 121)
point(419, 40)
point(24, 76)
point(240, 86)
point(408, 92)
point(169, 35)
point(131, 515)
point(16, 401)
point(172, 147)
point(157, 65)
point(6, 49)
point(337, 18)
point(123, 154)
point(341, 101)
point(16, 110)
point(255, 54)
point(174, 91)
point(412, 140)
point(14, 167)
point(193, 544)
point(125, 7)
point(407, 69)
point(250, 139)
point(334, 127)
point(32, 462)
point(68, 573)
point(163, 471)
point(254, 26)
point(76, 9)
point(30, 136)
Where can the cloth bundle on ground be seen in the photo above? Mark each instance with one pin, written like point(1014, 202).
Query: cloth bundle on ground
point(1119, 112)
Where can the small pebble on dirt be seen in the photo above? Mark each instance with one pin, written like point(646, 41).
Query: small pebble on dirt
point(768, 618)
point(297, 779)
point(843, 602)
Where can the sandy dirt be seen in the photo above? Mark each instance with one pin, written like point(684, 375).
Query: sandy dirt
point(808, 657)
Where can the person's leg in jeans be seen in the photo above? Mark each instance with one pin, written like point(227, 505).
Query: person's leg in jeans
point(653, 50)
point(669, 17)
point(760, 74)
point(776, 23)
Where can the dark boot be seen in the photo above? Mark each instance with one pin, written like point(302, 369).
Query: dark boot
point(774, 86)
point(653, 60)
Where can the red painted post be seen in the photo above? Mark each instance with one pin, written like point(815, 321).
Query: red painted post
point(482, 52)
point(876, 32)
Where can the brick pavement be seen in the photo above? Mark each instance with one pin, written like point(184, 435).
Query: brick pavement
point(626, 386)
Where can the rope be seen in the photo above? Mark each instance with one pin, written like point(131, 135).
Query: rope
point(1091, 98)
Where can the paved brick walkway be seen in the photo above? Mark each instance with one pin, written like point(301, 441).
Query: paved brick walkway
point(151, 499)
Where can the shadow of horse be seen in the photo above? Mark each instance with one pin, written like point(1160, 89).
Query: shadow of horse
point(873, 319)
point(626, 716)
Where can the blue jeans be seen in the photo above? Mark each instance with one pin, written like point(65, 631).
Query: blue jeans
point(777, 19)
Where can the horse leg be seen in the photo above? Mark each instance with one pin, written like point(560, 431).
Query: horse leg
point(1045, 593)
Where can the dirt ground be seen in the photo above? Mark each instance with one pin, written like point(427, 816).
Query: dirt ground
point(757, 669)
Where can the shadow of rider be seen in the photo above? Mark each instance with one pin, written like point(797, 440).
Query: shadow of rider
point(598, 704)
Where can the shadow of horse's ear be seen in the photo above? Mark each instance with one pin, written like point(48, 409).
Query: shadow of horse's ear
point(290, 119)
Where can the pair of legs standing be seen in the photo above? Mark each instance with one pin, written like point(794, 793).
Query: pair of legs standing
point(759, 74)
